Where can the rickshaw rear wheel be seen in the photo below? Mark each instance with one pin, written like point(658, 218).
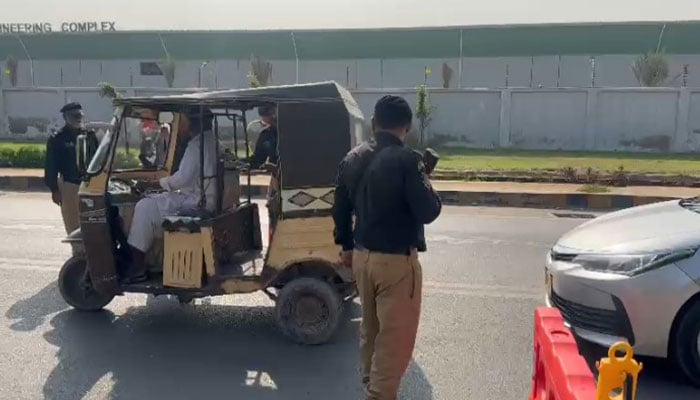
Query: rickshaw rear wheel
point(308, 310)
point(77, 290)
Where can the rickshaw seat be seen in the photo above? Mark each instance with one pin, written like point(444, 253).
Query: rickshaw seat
point(182, 223)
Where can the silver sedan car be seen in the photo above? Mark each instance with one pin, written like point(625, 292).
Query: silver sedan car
point(634, 275)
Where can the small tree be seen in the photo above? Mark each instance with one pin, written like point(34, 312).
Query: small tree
point(261, 72)
point(424, 110)
point(651, 69)
point(167, 66)
point(11, 69)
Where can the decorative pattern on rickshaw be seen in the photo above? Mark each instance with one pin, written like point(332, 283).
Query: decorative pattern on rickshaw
point(309, 199)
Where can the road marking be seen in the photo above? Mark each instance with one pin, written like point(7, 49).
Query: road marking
point(29, 227)
point(473, 240)
point(25, 267)
point(476, 290)
point(34, 261)
point(480, 287)
point(498, 295)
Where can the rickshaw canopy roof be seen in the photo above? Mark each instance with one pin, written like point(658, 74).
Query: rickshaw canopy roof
point(310, 94)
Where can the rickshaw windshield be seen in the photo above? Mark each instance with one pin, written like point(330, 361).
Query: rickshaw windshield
point(100, 157)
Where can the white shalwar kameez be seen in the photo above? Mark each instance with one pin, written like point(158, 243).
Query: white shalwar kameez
point(182, 196)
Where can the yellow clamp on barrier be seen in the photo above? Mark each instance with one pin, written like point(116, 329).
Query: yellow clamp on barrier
point(617, 376)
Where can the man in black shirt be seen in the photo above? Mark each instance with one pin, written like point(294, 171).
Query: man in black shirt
point(386, 186)
point(266, 156)
point(266, 145)
point(61, 173)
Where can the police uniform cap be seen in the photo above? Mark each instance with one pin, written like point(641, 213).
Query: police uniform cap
point(72, 106)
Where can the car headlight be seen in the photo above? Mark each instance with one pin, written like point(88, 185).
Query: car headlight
point(630, 265)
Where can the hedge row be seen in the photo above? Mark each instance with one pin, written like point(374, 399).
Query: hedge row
point(35, 157)
point(22, 157)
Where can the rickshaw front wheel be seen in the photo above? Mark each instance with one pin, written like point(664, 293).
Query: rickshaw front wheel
point(308, 310)
point(76, 288)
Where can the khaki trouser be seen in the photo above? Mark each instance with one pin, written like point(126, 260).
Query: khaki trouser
point(69, 205)
point(390, 290)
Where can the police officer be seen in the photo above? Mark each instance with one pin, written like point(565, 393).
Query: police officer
point(61, 173)
point(385, 184)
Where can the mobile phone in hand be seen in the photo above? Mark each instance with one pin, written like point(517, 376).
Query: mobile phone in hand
point(430, 159)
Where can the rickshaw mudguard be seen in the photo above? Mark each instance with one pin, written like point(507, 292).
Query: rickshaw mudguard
point(98, 243)
point(303, 247)
point(74, 237)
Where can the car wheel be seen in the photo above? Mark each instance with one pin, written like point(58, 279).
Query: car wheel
point(308, 310)
point(686, 344)
point(76, 288)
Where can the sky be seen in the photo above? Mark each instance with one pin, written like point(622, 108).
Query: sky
point(340, 14)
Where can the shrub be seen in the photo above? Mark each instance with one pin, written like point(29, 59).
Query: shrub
point(7, 156)
point(29, 157)
point(22, 157)
point(261, 72)
point(651, 69)
point(108, 91)
point(167, 66)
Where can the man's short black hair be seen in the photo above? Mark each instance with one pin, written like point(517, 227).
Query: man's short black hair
point(392, 112)
point(200, 117)
point(267, 110)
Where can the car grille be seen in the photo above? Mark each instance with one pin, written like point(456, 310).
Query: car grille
point(593, 319)
point(562, 256)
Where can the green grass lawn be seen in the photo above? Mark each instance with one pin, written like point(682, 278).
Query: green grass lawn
point(523, 160)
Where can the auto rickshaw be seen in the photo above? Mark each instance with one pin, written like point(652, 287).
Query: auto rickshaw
point(221, 253)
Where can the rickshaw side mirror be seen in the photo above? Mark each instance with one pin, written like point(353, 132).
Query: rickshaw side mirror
point(84, 152)
point(81, 153)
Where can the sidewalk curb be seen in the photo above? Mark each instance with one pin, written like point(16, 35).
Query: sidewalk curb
point(583, 201)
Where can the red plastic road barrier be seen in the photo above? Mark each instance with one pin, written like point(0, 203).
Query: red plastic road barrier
point(559, 372)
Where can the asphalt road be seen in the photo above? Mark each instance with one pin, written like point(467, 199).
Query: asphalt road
point(483, 279)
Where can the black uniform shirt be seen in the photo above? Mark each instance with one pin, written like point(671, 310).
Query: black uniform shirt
point(61, 158)
point(391, 203)
point(265, 148)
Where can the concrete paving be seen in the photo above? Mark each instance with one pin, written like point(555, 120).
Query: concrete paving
point(483, 279)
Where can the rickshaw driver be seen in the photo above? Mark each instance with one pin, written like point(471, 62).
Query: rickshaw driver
point(266, 156)
point(266, 145)
point(182, 194)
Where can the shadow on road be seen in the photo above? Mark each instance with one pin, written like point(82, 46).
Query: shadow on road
point(169, 351)
point(658, 379)
point(28, 314)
